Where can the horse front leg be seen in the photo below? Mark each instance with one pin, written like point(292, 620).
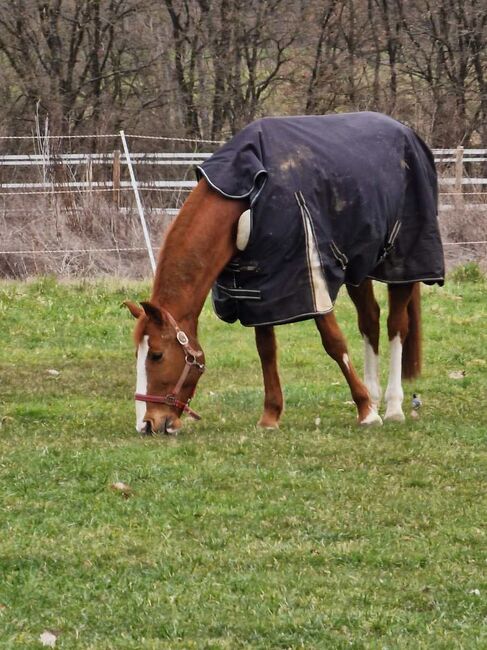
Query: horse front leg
point(336, 346)
point(273, 401)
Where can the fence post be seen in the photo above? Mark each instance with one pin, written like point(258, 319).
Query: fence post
point(89, 174)
point(89, 202)
point(139, 203)
point(116, 178)
point(459, 203)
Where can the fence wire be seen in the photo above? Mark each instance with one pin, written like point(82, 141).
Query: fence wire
point(178, 187)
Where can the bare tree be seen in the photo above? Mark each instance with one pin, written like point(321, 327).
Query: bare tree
point(207, 67)
point(324, 39)
point(446, 54)
point(391, 24)
point(245, 46)
point(60, 52)
point(187, 33)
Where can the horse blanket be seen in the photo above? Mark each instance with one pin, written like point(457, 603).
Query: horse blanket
point(334, 199)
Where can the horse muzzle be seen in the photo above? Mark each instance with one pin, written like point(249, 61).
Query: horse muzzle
point(165, 425)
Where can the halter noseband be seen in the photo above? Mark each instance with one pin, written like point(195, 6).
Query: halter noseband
point(191, 361)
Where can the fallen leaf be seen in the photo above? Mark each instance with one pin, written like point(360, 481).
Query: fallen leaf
point(457, 374)
point(124, 489)
point(478, 362)
point(48, 639)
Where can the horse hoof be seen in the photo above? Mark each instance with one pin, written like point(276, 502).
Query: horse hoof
point(395, 416)
point(267, 424)
point(372, 419)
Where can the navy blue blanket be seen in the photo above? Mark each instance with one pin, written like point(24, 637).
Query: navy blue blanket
point(334, 199)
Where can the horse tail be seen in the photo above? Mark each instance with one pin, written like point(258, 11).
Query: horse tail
point(411, 352)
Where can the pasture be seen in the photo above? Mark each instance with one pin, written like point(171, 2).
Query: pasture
point(320, 535)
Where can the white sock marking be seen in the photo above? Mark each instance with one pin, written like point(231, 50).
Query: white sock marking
point(141, 385)
point(371, 373)
point(394, 393)
point(346, 361)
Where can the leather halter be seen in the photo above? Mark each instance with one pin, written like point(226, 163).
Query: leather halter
point(191, 361)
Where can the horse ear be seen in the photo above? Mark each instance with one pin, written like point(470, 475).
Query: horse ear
point(153, 312)
point(134, 309)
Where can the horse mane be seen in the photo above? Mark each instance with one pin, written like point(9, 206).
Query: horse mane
point(198, 244)
point(173, 268)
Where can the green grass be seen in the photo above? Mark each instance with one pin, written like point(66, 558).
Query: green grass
point(317, 536)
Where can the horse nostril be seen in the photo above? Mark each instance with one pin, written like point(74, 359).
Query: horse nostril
point(148, 428)
point(154, 427)
point(167, 426)
point(172, 426)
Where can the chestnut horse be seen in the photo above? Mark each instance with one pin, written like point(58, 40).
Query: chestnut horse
point(198, 245)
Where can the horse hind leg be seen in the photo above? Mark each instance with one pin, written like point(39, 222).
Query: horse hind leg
point(368, 315)
point(335, 345)
point(404, 353)
point(273, 400)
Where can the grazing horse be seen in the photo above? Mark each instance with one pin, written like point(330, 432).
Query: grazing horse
point(284, 214)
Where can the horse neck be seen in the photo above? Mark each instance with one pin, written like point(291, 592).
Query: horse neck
point(199, 243)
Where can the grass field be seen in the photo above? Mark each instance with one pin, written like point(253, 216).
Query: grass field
point(321, 535)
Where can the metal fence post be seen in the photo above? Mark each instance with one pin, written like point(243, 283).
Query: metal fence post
point(139, 203)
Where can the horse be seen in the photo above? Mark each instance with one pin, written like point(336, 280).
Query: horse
point(214, 242)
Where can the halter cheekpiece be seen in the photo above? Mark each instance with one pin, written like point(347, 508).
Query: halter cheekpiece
point(191, 361)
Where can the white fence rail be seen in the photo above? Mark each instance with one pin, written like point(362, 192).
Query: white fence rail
point(28, 160)
point(73, 173)
point(80, 185)
point(457, 158)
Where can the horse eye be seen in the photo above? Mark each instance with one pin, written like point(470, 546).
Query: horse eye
point(155, 356)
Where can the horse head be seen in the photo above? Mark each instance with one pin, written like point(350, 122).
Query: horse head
point(169, 365)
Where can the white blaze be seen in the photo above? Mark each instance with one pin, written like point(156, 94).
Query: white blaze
point(141, 385)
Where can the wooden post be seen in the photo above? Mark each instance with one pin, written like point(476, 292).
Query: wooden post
point(88, 204)
point(459, 204)
point(89, 174)
point(116, 178)
point(140, 207)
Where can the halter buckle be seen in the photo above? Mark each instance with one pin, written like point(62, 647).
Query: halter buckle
point(182, 337)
